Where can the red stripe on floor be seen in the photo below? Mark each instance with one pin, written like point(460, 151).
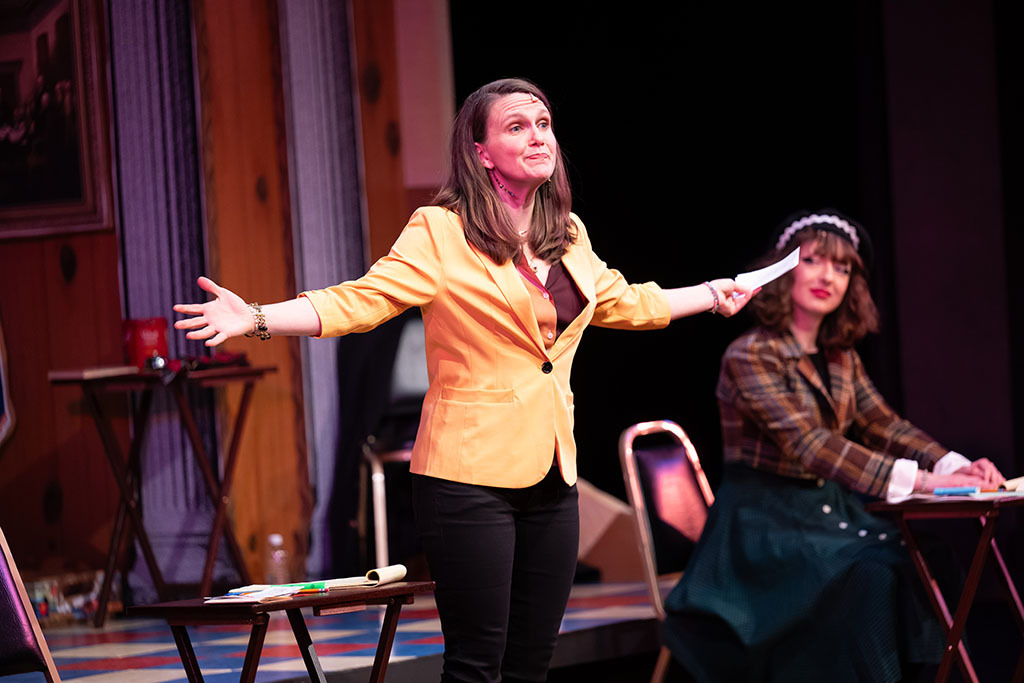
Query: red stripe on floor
point(607, 601)
point(120, 663)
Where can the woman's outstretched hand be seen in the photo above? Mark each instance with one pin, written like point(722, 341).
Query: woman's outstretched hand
point(723, 297)
point(732, 297)
point(216, 321)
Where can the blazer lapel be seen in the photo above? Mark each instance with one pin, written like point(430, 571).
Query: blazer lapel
point(840, 370)
point(806, 368)
point(810, 373)
point(512, 287)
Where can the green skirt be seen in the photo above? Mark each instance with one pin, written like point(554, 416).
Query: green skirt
point(796, 581)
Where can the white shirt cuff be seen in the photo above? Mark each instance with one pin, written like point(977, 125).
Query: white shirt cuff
point(950, 463)
point(901, 480)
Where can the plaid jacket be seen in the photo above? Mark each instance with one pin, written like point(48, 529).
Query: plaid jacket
point(777, 416)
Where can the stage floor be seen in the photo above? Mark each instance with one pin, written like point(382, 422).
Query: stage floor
point(603, 622)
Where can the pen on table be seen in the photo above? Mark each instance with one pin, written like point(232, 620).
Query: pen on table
point(956, 490)
point(312, 587)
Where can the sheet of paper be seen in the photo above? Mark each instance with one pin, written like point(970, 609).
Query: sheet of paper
point(389, 574)
point(762, 276)
point(256, 593)
point(374, 577)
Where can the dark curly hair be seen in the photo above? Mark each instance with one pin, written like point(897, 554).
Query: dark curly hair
point(856, 315)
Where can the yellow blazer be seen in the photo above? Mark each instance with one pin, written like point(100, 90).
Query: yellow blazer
point(499, 405)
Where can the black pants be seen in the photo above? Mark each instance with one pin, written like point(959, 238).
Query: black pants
point(503, 560)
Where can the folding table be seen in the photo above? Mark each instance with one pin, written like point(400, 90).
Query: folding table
point(96, 381)
point(196, 612)
point(987, 511)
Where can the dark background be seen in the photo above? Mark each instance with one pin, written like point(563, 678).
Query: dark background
point(691, 130)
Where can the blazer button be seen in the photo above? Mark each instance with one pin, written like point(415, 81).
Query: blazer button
point(547, 367)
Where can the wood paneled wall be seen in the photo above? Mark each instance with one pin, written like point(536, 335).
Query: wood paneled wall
point(60, 308)
point(373, 26)
point(249, 237)
point(57, 496)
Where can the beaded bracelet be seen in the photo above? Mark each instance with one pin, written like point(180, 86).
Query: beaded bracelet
point(714, 295)
point(259, 318)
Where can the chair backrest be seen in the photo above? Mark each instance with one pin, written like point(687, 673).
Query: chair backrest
point(22, 646)
point(670, 497)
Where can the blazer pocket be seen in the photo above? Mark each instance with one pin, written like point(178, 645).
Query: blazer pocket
point(463, 395)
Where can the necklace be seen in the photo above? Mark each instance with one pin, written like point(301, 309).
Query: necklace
point(534, 262)
point(510, 193)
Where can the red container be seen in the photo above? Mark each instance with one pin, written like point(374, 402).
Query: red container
point(143, 339)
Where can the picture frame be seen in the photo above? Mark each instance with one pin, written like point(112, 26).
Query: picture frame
point(55, 163)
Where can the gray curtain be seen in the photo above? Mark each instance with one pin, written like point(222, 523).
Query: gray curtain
point(330, 244)
point(161, 233)
point(162, 239)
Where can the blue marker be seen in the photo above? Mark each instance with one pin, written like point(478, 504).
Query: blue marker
point(956, 491)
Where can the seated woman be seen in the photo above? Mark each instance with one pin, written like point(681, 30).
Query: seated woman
point(792, 580)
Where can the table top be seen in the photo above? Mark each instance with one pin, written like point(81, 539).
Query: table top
point(128, 377)
point(352, 595)
point(947, 506)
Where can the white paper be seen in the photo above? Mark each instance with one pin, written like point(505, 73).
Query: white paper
point(261, 592)
point(256, 593)
point(374, 577)
point(762, 276)
point(389, 574)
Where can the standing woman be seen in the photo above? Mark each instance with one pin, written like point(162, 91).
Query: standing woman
point(792, 580)
point(507, 281)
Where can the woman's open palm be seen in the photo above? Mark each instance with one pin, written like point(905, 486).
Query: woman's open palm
point(216, 321)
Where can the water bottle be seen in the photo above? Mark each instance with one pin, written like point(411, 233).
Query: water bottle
point(276, 568)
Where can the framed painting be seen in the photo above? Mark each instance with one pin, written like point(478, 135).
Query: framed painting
point(55, 171)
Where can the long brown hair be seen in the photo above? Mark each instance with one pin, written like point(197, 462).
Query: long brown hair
point(468, 190)
point(843, 327)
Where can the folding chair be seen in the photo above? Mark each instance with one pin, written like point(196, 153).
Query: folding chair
point(670, 497)
point(372, 471)
point(22, 646)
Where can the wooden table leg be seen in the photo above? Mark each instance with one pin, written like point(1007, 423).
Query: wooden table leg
point(1013, 597)
point(218, 494)
point(963, 607)
point(1011, 590)
point(188, 655)
point(113, 556)
point(939, 606)
point(220, 521)
point(124, 484)
point(255, 649)
point(118, 535)
point(305, 643)
point(386, 641)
